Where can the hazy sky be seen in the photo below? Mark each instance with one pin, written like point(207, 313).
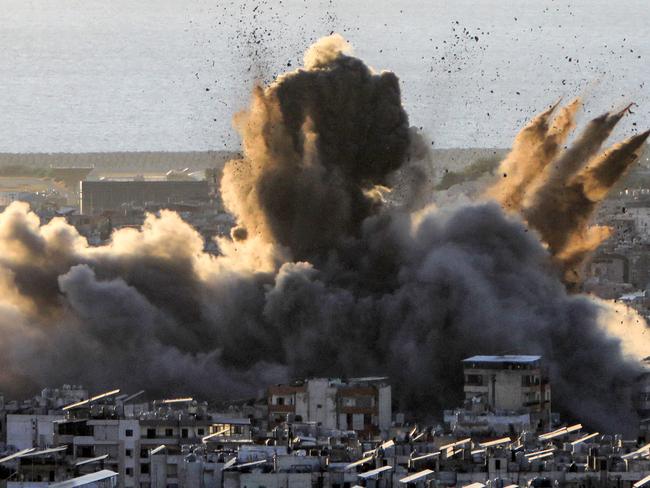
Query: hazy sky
point(100, 75)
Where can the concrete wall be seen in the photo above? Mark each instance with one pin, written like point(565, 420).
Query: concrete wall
point(275, 480)
point(25, 431)
point(321, 402)
point(503, 388)
point(385, 411)
point(508, 392)
point(302, 405)
point(97, 196)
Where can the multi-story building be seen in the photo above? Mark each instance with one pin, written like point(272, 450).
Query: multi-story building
point(643, 401)
point(98, 196)
point(514, 383)
point(109, 440)
point(31, 430)
point(503, 393)
point(126, 445)
point(359, 404)
point(30, 423)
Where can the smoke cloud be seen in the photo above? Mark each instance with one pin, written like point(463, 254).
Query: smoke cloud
point(532, 151)
point(558, 191)
point(318, 143)
point(327, 273)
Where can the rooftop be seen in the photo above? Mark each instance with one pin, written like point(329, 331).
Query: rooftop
point(509, 358)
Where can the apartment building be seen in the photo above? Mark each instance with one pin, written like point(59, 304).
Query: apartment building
point(503, 394)
point(359, 404)
point(507, 383)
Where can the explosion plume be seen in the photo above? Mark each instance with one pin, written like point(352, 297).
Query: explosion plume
point(317, 142)
point(533, 149)
point(557, 192)
point(321, 275)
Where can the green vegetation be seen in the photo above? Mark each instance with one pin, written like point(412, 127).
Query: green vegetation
point(25, 171)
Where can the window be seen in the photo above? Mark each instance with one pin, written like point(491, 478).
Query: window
point(529, 380)
point(144, 468)
point(85, 451)
point(151, 433)
point(474, 379)
point(497, 464)
point(129, 432)
point(169, 432)
point(201, 431)
point(144, 453)
point(367, 419)
point(129, 453)
point(319, 406)
point(280, 401)
point(129, 471)
point(184, 433)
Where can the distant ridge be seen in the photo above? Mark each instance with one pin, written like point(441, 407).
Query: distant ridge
point(137, 161)
point(160, 160)
point(447, 159)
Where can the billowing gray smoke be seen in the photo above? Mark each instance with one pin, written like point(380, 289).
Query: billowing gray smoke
point(321, 277)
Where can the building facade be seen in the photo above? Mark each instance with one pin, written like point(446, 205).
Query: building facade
point(360, 404)
point(98, 196)
point(504, 393)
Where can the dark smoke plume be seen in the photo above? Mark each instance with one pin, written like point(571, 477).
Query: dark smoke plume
point(328, 273)
point(319, 141)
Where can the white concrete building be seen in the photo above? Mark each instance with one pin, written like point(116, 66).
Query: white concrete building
point(25, 431)
point(360, 404)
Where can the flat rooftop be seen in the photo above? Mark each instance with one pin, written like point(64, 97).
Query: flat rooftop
point(503, 359)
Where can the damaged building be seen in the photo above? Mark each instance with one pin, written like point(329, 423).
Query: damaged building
point(359, 404)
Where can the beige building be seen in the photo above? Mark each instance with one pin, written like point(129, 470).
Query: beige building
point(508, 384)
point(359, 404)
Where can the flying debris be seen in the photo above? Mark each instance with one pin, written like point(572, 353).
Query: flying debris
point(335, 237)
point(558, 191)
